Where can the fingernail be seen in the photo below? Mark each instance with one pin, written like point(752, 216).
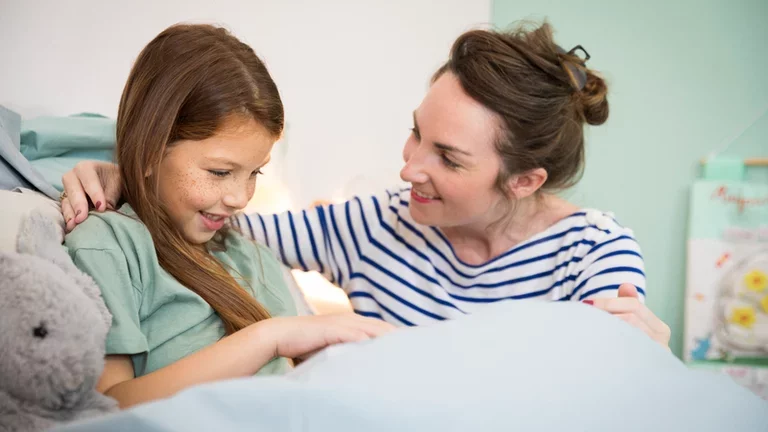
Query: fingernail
point(77, 213)
point(98, 205)
point(589, 302)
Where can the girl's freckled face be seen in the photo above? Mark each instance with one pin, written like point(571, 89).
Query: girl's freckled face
point(203, 182)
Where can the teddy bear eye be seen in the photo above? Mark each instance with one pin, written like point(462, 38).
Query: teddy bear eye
point(40, 331)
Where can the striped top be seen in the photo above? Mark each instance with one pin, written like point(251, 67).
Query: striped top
point(405, 273)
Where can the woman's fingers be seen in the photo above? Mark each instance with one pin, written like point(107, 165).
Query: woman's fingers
point(636, 313)
point(618, 305)
point(634, 321)
point(69, 215)
point(89, 179)
point(109, 177)
point(75, 195)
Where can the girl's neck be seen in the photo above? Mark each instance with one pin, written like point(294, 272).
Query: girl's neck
point(476, 245)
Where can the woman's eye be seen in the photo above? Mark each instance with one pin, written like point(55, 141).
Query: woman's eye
point(219, 173)
point(416, 133)
point(449, 163)
point(257, 172)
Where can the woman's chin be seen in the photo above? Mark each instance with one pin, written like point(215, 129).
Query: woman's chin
point(422, 217)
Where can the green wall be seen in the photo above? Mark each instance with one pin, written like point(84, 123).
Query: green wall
point(685, 78)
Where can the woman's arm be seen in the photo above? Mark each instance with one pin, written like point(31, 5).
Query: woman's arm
point(241, 354)
point(327, 238)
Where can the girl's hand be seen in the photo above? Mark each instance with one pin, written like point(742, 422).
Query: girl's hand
point(628, 307)
point(94, 180)
point(299, 337)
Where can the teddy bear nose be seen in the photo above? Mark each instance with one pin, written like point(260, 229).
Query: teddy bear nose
point(40, 331)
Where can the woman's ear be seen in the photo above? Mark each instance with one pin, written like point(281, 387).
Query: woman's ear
point(526, 184)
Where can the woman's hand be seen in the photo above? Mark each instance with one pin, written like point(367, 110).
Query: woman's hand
point(94, 180)
point(628, 307)
point(300, 337)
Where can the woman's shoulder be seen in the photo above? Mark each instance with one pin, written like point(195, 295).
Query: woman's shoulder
point(600, 220)
point(381, 201)
point(399, 196)
point(394, 204)
point(597, 227)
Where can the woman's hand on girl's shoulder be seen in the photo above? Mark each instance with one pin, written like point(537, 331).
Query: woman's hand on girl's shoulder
point(96, 181)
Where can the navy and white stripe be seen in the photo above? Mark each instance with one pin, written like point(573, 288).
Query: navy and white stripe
point(408, 274)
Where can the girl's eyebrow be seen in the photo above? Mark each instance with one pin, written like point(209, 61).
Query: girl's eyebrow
point(224, 161)
point(233, 164)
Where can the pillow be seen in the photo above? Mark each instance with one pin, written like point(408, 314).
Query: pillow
point(53, 145)
point(15, 169)
point(16, 207)
point(515, 366)
point(85, 136)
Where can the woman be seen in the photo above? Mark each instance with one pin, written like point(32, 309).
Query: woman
point(499, 132)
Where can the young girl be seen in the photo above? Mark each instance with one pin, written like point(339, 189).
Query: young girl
point(193, 301)
point(499, 133)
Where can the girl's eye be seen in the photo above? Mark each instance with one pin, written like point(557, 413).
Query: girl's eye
point(219, 173)
point(416, 133)
point(257, 172)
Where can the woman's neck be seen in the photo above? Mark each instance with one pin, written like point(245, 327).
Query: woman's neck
point(481, 243)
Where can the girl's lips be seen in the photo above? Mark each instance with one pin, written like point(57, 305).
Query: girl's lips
point(211, 224)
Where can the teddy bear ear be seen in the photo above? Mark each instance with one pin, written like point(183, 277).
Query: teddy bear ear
point(43, 237)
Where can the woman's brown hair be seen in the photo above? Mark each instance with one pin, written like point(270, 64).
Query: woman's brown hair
point(183, 86)
point(542, 94)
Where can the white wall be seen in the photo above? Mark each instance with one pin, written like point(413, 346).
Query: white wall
point(350, 72)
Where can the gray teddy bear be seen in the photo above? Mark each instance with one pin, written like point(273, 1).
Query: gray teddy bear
point(53, 325)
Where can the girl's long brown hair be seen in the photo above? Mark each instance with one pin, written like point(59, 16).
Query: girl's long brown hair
point(184, 84)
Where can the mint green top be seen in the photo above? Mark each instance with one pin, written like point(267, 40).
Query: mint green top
point(157, 320)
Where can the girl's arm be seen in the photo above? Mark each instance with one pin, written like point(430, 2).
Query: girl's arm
point(241, 354)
